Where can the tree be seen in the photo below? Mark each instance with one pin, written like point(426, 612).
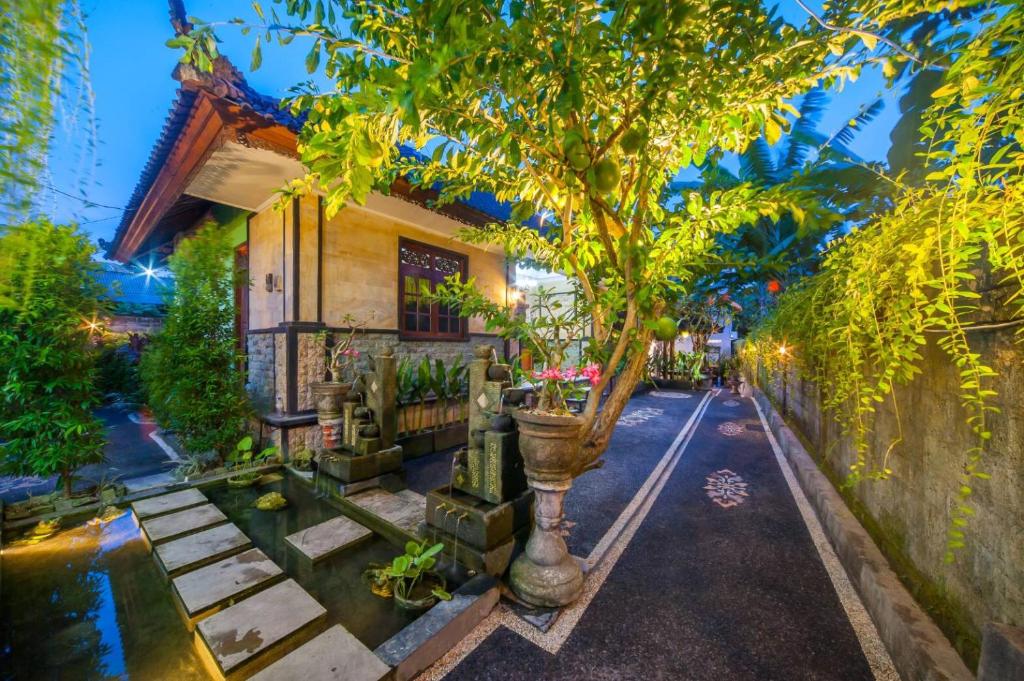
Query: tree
point(191, 370)
point(772, 253)
point(47, 365)
point(582, 111)
point(43, 72)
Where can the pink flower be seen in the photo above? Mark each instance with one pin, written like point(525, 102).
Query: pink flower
point(592, 372)
point(549, 374)
point(349, 352)
point(569, 374)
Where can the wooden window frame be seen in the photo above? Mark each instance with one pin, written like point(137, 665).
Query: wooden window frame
point(435, 277)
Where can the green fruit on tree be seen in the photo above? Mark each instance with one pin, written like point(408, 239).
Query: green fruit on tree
point(631, 141)
point(572, 139)
point(666, 329)
point(606, 175)
point(578, 157)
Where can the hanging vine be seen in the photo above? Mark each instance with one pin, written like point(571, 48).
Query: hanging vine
point(858, 325)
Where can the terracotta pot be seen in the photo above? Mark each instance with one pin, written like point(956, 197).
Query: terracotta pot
point(550, 444)
point(328, 396)
point(545, 574)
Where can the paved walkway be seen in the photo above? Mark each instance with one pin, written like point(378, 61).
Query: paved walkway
point(130, 453)
point(716, 571)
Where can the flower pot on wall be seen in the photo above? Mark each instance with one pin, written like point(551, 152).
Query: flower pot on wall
point(328, 396)
point(545, 574)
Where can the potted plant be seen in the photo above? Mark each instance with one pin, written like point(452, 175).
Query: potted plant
point(328, 395)
point(244, 461)
point(410, 578)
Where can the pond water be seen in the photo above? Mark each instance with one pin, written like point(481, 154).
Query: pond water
point(90, 603)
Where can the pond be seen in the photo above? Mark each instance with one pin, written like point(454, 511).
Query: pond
point(90, 603)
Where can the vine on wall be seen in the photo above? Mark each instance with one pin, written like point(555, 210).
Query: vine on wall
point(857, 326)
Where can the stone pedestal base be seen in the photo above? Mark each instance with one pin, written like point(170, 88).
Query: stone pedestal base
point(349, 467)
point(546, 575)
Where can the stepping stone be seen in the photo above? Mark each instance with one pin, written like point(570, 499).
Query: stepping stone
point(173, 525)
point(335, 655)
point(405, 510)
point(199, 549)
point(327, 538)
point(150, 481)
point(204, 591)
point(240, 640)
point(168, 503)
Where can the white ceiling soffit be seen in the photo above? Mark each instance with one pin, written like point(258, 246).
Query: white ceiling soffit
point(413, 214)
point(243, 177)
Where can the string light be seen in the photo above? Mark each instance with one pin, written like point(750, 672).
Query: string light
point(783, 350)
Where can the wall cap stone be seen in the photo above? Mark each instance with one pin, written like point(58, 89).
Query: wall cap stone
point(916, 645)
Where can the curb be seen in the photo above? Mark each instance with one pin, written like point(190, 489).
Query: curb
point(917, 647)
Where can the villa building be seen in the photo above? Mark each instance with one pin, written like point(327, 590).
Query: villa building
point(223, 153)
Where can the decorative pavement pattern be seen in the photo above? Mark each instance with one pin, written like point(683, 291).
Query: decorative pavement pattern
point(674, 396)
point(639, 416)
point(726, 489)
point(731, 403)
point(730, 429)
point(676, 589)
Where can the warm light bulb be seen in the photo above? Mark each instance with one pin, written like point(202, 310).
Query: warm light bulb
point(783, 350)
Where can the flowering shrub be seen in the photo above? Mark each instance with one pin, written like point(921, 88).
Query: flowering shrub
point(342, 356)
point(559, 385)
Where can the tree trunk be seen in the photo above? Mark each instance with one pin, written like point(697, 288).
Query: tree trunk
point(596, 441)
point(66, 476)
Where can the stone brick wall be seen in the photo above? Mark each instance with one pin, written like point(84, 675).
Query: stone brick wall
point(415, 351)
point(130, 324)
point(260, 381)
point(911, 511)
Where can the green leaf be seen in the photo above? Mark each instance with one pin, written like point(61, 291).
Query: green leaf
point(313, 58)
point(257, 56)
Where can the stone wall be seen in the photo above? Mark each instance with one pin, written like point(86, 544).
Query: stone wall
point(415, 351)
point(135, 324)
point(261, 370)
point(909, 514)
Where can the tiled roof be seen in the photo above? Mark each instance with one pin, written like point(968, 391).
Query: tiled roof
point(129, 287)
point(228, 83)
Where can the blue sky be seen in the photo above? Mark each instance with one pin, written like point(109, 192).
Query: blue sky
point(133, 89)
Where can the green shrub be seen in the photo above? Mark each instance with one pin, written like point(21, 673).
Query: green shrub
point(191, 370)
point(47, 363)
point(118, 369)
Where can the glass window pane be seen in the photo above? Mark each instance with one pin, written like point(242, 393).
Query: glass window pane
point(455, 325)
point(442, 325)
point(424, 286)
point(410, 322)
point(424, 323)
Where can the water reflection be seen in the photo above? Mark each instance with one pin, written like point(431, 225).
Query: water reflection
point(89, 603)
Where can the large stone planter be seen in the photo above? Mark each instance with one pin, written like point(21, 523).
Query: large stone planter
point(328, 396)
point(545, 575)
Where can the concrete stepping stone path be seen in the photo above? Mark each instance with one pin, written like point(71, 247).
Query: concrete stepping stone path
point(180, 523)
point(242, 639)
point(203, 592)
point(404, 510)
point(168, 503)
point(202, 548)
point(327, 538)
point(335, 655)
